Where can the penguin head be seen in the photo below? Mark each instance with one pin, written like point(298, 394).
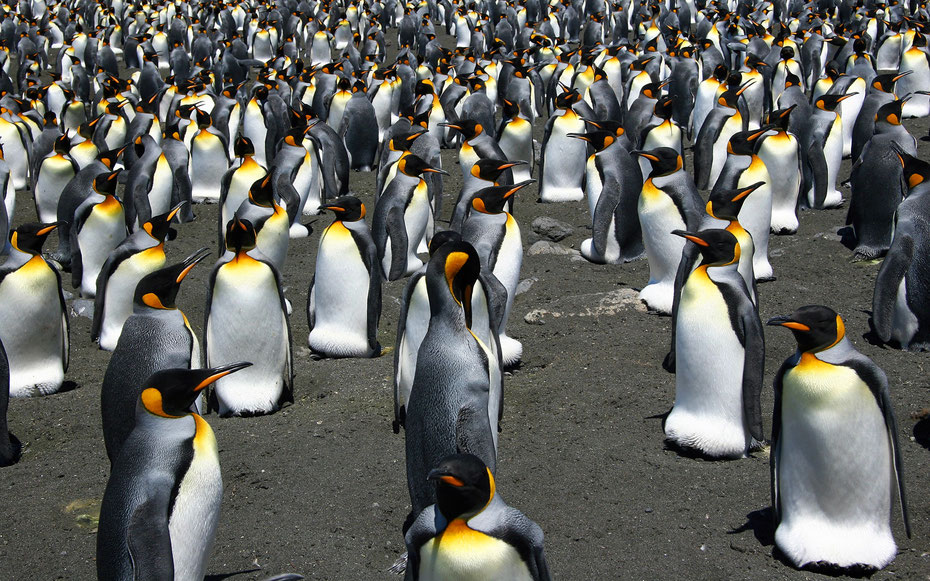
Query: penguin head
point(443, 237)
point(346, 208)
point(159, 227)
point(610, 125)
point(599, 139)
point(30, 237)
point(492, 199)
point(717, 247)
point(240, 235)
point(721, 72)
point(404, 141)
point(830, 102)
point(62, 144)
point(170, 393)
point(885, 81)
point(567, 98)
point(745, 142)
point(815, 327)
point(261, 192)
point(469, 128)
point(105, 183)
point(413, 165)
point(653, 90)
point(454, 267)
point(780, 118)
point(726, 204)
point(159, 289)
point(243, 147)
point(663, 108)
point(203, 119)
point(664, 160)
point(110, 157)
point(490, 169)
point(792, 80)
point(915, 171)
point(786, 53)
point(890, 113)
point(464, 486)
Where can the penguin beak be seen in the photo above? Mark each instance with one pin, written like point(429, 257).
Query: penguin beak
point(693, 238)
point(785, 321)
point(48, 228)
point(174, 211)
point(451, 126)
point(648, 156)
point(512, 164)
point(434, 170)
point(580, 136)
point(440, 475)
point(222, 371)
point(745, 192)
point(191, 262)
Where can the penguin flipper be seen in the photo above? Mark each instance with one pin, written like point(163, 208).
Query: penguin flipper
point(753, 369)
point(181, 191)
point(285, 190)
point(473, 434)
point(311, 304)
point(496, 293)
point(148, 537)
point(893, 269)
point(689, 256)
point(421, 530)
point(517, 530)
point(398, 235)
point(818, 165)
point(603, 215)
point(776, 435)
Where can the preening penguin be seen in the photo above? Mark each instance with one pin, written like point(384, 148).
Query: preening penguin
point(246, 315)
point(471, 533)
point(835, 458)
point(344, 300)
point(719, 355)
point(156, 336)
point(162, 502)
point(33, 317)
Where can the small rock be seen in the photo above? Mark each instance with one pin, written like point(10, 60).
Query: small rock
point(551, 228)
point(535, 317)
point(525, 285)
point(549, 247)
point(82, 308)
point(648, 510)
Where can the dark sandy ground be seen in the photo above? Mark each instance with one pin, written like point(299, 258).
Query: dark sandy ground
point(319, 488)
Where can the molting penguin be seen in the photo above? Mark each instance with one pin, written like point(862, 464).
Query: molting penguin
point(835, 458)
point(162, 501)
point(33, 318)
point(246, 315)
point(156, 336)
point(717, 409)
point(344, 300)
point(470, 532)
point(668, 201)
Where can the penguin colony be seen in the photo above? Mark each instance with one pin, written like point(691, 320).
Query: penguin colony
point(689, 131)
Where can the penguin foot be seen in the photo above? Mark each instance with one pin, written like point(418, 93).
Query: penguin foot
point(400, 565)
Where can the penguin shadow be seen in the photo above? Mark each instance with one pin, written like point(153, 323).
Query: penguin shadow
point(762, 524)
point(847, 237)
point(68, 386)
point(221, 576)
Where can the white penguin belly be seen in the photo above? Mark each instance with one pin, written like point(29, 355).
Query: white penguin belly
point(416, 219)
point(780, 155)
point(208, 163)
point(32, 330)
point(516, 142)
point(592, 185)
point(340, 290)
point(274, 238)
point(192, 526)
point(101, 233)
point(162, 182)
point(756, 216)
point(708, 411)
point(247, 324)
point(121, 287)
point(564, 167)
point(833, 152)
point(658, 217)
point(54, 175)
point(507, 271)
point(834, 469)
point(461, 554)
point(904, 324)
point(415, 326)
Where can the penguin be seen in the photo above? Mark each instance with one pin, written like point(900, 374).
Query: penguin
point(495, 235)
point(835, 456)
point(710, 147)
point(236, 182)
point(344, 299)
point(899, 303)
point(269, 219)
point(208, 160)
point(780, 152)
point(880, 92)
point(33, 318)
point(612, 185)
point(455, 399)
point(822, 153)
point(402, 214)
point(54, 173)
point(562, 159)
point(162, 501)
point(488, 171)
point(717, 410)
point(10, 446)
point(359, 129)
point(515, 137)
point(156, 336)
point(471, 532)
point(876, 183)
point(246, 314)
point(668, 201)
point(98, 227)
point(139, 254)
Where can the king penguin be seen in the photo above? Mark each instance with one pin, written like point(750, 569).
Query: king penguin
point(471, 533)
point(246, 314)
point(156, 336)
point(54, 173)
point(139, 254)
point(344, 300)
point(718, 410)
point(822, 153)
point(98, 226)
point(562, 159)
point(33, 318)
point(668, 201)
point(835, 457)
point(162, 501)
point(208, 160)
point(780, 152)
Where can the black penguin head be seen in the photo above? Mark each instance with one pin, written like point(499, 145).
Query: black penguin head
point(890, 113)
point(815, 327)
point(717, 247)
point(745, 142)
point(404, 141)
point(780, 118)
point(243, 147)
point(159, 227)
point(792, 80)
point(830, 102)
point(170, 393)
point(721, 72)
point(598, 138)
point(492, 199)
point(413, 165)
point(469, 128)
point(607, 125)
point(203, 119)
point(464, 486)
point(726, 204)
point(441, 238)
point(663, 108)
point(240, 235)
point(490, 169)
point(456, 267)
point(30, 237)
point(105, 183)
point(885, 81)
point(915, 171)
point(567, 98)
point(110, 157)
point(664, 160)
point(787, 52)
point(346, 208)
point(261, 192)
point(159, 289)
